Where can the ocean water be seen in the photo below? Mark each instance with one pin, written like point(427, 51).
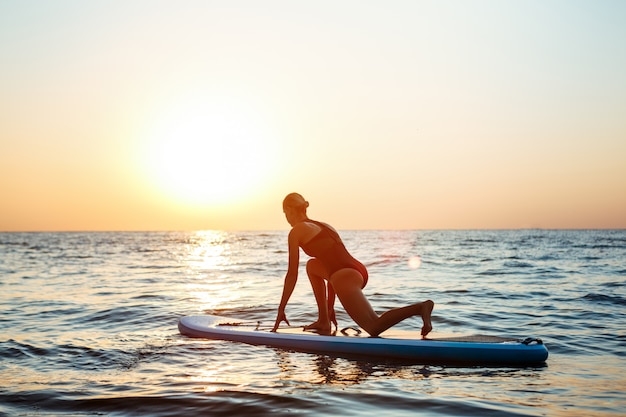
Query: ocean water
point(89, 324)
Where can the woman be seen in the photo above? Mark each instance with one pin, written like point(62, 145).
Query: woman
point(345, 275)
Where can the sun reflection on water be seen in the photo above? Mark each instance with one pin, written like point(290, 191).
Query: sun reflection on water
point(207, 257)
point(215, 380)
point(208, 250)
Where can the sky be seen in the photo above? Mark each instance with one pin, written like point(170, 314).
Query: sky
point(194, 115)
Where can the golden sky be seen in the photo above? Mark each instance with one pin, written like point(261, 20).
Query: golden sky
point(154, 115)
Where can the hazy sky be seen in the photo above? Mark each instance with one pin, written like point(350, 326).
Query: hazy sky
point(154, 115)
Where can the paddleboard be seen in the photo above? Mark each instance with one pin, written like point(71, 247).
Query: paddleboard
point(391, 345)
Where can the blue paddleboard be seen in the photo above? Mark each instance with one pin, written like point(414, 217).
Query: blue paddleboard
point(392, 345)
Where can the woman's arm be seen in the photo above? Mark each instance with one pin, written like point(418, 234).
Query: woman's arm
point(290, 278)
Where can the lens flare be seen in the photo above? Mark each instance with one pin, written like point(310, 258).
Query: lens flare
point(415, 262)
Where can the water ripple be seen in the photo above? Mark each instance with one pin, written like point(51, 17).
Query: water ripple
point(89, 324)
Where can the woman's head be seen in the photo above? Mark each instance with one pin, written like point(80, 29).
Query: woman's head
point(295, 201)
point(294, 207)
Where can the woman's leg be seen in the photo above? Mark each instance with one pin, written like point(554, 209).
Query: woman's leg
point(347, 284)
point(316, 272)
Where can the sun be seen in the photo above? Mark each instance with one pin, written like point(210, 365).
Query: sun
point(204, 152)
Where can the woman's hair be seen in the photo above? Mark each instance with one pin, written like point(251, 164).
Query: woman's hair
point(295, 200)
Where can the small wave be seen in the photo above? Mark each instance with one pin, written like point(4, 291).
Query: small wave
point(152, 266)
point(471, 242)
point(497, 272)
point(614, 284)
point(15, 350)
point(456, 291)
point(73, 356)
point(547, 257)
point(219, 403)
point(228, 402)
point(541, 294)
point(518, 264)
point(68, 257)
point(448, 321)
point(602, 298)
point(86, 358)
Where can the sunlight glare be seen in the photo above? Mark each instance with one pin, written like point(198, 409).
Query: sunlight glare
point(207, 151)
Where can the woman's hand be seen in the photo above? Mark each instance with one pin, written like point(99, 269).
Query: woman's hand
point(280, 317)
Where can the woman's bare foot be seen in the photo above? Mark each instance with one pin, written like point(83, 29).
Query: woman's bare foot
point(427, 309)
point(318, 327)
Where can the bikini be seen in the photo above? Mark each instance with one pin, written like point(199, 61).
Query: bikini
point(327, 247)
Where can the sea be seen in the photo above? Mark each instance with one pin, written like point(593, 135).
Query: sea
point(88, 324)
